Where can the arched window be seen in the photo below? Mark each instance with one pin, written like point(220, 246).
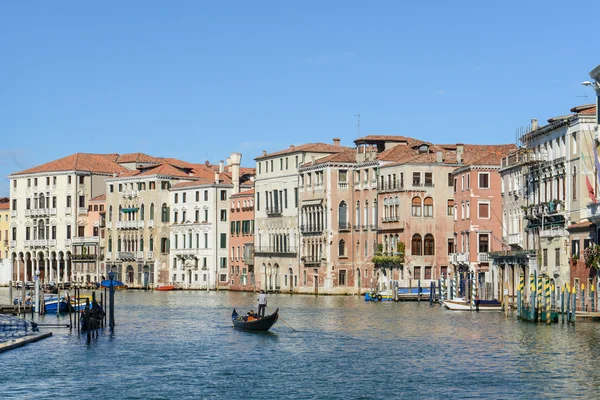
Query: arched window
point(366, 213)
point(110, 214)
point(574, 183)
point(429, 245)
point(375, 213)
point(164, 212)
point(357, 217)
point(386, 213)
point(142, 212)
point(342, 248)
point(386, 244)
point(41, 229)
point(151, 244)
point(343, 215)
point(416, 207)
point(428, 207)
point(119, 244)
point(109, 245)
point(151, 215)
point(416, 247)
point(142, 244)
point(396, 207)
point(120, 213)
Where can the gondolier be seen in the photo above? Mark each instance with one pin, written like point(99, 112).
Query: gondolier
point(262, 304)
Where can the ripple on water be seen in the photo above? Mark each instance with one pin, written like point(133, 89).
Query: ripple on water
point(181, 344)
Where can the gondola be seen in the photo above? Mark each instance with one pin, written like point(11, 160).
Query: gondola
point(260, 325)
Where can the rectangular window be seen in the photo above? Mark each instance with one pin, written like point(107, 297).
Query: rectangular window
point(281, 164)
point(343, 176)
point(111, 188)
point(223, 241)
point(257, 201)
point(197, 195)
point(206, 215)
point(416, 179)
point(81, 231)
point(285, 198)
point(484, 210)
point(427, 272)
point(450, 208)
point(557, 257)
point(484, 180)
point(468, 181)
point(417, 273)
point(197, 219)
point(223, 195)
point(286, 163)
point(342, 277)
point(206, 195)
point(455, 182)
point(575, 247)
point(428, 179)
point(545, 257)
point(484, 243)
point(259, 168)
point(296, 197)
point(206, 240)
point(223, 215)
point(68, 231)
point(450, 246)
point(68, 201)
point(223, 262)
point(183, 197)
point(176, 198)
point(444, 271)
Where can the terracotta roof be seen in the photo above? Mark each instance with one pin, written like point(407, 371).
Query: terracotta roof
point(4, 206)
point(245, 193)
point(96, 163)
point(388, 138)
point(585, 109)
point(309, 148)
point(137, 157)
point(580, 225)
point(346, 156)
point(102, 197)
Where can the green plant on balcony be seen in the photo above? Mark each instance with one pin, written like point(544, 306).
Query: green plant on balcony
point(574, 258)
point(591, 256)
point(389, 260)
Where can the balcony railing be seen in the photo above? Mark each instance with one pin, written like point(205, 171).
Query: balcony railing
point(311, 261)
point(130, 224)
point(344, 226)
point(459, 258)
point(389, 186)
point(126, 255)
point(554, 232)
point(13, 213)
point(483, 258)
point(184, 252)
point(308, 229)
point(84, 257)
point(82, 211)
point(108, 255)
point(515, 238)
point(84, 240)
point(151, 223)
point(273, 212)
point(150, 255)
point(273, 251)
point(68, 210)
point(390, 219)
point(342, 185)
point(356, 227)
point(13, 243)
point(248, 260)
point(67, 242)
point(373, 227)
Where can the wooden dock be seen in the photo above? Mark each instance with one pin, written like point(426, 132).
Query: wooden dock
point(11, 344)
point(14, 310)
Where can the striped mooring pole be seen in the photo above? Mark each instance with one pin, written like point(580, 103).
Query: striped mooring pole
point(574, 305)
point(442, 289)
point(548, 300)
point(582, 297)
point(454, 286)
point(562, 303)
point(592, 293)
point(532, 296)
point(520, 293)
point(539, 297)
point(473, 290)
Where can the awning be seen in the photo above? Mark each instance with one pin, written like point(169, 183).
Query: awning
point(127, 210)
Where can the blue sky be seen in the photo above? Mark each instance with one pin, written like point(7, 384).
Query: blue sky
point(197, 80)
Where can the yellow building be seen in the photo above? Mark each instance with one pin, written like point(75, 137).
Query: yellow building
point(4, 225)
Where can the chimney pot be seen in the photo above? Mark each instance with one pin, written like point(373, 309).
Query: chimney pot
point(292, 146)
point(336, 142)
point(264, 153)
point(534, 124)
point(439, 157)
point(221, 166)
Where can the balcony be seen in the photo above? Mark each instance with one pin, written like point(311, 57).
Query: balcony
point(390, 219)
point(108, 255)
point(319, 186)
point(248, 260)
point(68, 210)
point(27, 212)
point(82, 211)
point(13, 213)
point(515, 239)
point(126, 255)
point(184, 252)
point(311, 229)
point(356, 227)
point(13, 243)
point(275, 252)
point(373, 227)
point(344, 227)
point(130, 224)
point(311, 261)
point(273, 212)
point(41, 212)
point(554, 232)
point(130, 194)
point(483, 258)
point(150, 255)
point(85, 240)
point(390, 187)
point(343, 185)
point(52, 242)
point(459, 258)
point(84, 257)
point(67, 242)
point(151, 223)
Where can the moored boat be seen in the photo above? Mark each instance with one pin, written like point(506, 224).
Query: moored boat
point(258, 325)
point(459, 304)
point(118, 285)
point(53, 304)
point(164, 288)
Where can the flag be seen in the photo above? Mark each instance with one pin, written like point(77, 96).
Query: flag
point(590, 188)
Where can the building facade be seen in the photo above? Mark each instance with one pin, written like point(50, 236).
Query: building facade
point(49, 206)
point(241, 242)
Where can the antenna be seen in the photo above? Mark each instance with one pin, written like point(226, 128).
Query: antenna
point(358, 124)
point(584, 95)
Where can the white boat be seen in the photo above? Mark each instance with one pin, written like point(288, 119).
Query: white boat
point(460, 304)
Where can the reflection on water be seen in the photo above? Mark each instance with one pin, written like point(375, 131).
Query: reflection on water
point(182, 345)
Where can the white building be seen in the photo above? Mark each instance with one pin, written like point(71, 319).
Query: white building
point(276, 235)
point(49, 209)
point(199, 230)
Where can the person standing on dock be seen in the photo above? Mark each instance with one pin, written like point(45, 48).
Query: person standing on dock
point(262, 304)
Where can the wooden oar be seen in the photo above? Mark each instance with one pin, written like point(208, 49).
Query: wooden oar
point(282, 320)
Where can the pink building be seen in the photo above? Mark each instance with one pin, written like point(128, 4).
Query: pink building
point(241, 242)
point(88, 244)
point(478, 227)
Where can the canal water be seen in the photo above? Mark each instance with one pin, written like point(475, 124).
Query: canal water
point(182, 345)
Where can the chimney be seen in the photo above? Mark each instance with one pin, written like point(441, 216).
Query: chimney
point(216, 178)
point(534, 124)
point(264, 153)
point(336, 142)
point(234, 162)
point(439, 157)
point(221, 167)
point(312, 159)
point(460, 148)
point(292, 146)
point(459, 157)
